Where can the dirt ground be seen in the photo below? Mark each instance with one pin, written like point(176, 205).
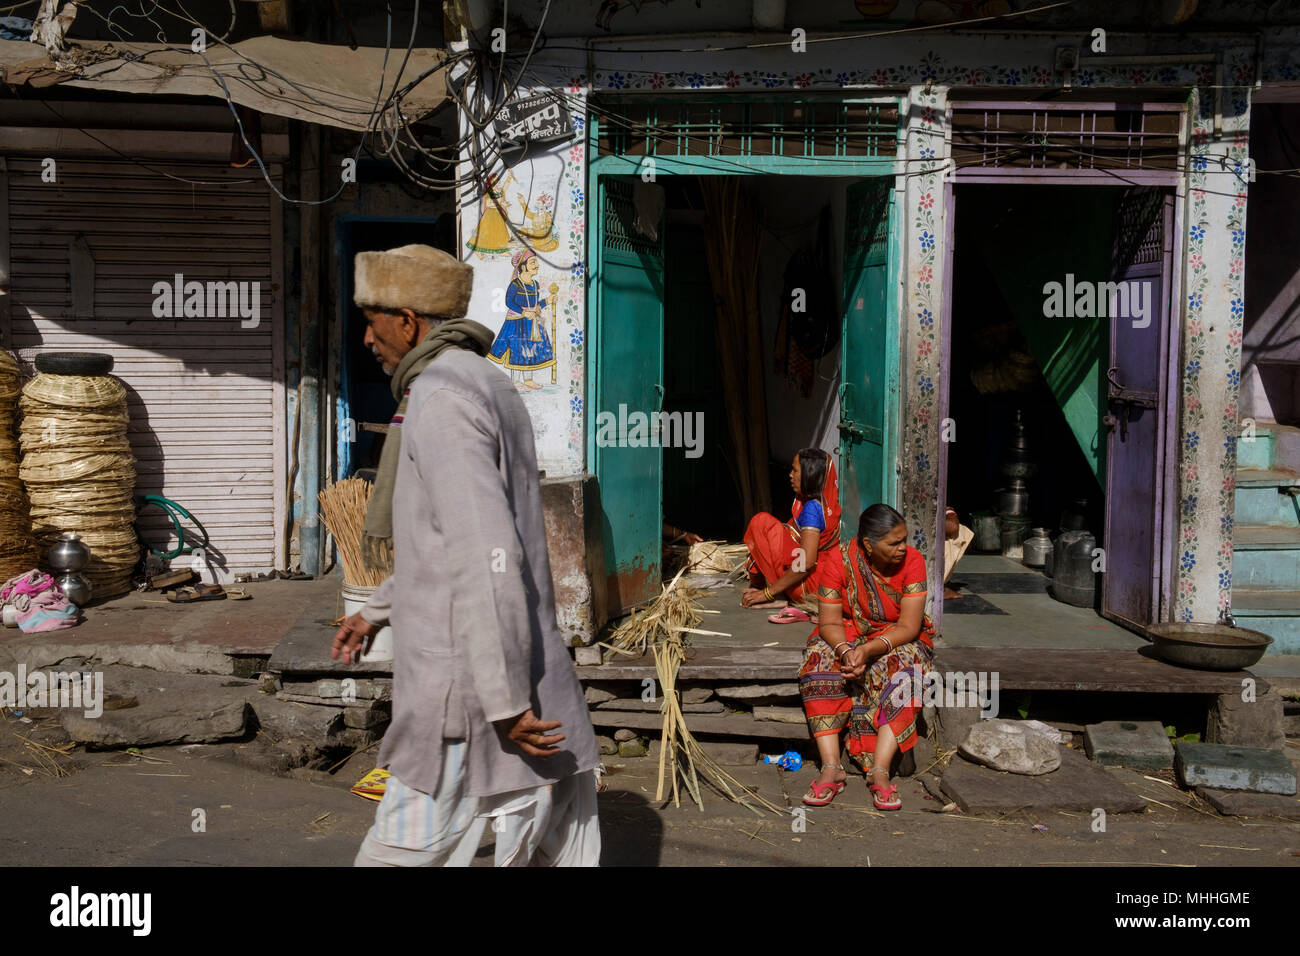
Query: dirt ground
point(115, 808)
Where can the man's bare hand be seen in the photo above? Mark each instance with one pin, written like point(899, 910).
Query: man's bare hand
point(353, 638)
point(531, 735)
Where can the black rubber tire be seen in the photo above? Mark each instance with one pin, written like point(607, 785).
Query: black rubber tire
point(74, 363)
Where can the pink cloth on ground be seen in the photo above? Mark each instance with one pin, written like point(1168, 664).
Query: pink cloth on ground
point(41, 605)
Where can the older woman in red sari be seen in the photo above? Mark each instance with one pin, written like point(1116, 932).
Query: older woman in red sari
point(784, 558)
point(865, 666)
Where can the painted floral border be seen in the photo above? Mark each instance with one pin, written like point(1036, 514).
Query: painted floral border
point(1211, 360)
point(1214, 284)
point(924, 198)
point(931, 68)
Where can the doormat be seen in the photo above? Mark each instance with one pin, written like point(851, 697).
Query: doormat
point(1001, 582)
point(970, 603)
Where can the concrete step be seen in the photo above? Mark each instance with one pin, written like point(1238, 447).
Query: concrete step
point(1271, 446)
point(1266, 558)
point(1271, 612)
point(1256, 452)
point(1260, 500)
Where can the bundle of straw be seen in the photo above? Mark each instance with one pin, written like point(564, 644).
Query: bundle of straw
point(343, 509)
point(17, 546)
point(660, 627)
point(80, 473)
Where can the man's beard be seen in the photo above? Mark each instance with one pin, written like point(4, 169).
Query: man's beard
point(388, 369)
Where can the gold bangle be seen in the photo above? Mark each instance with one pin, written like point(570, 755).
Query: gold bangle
point(888, 643)
point(767, 593)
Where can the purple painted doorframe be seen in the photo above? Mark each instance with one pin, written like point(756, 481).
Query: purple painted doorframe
point(1137, 485)
point(945, 351)
point(1167, 496)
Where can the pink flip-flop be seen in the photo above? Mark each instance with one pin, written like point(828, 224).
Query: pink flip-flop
point(790, 615)
point(823, 793)
point(885, 798)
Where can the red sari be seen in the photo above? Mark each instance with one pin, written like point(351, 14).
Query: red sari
point(773, 545)
point(891, 690)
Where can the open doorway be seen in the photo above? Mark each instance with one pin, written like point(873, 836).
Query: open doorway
point(761, 303)
point(1057, 394)
point(799, 247)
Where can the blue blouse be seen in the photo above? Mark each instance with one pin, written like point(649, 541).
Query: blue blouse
point(811, 516)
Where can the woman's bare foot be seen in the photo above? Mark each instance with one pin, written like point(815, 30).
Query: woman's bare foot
point(832, 773)
point(950, 595)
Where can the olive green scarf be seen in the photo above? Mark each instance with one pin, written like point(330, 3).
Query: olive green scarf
point(377, 541)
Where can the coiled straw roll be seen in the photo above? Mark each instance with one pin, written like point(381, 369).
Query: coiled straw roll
point(17, 547)
point(80, 473)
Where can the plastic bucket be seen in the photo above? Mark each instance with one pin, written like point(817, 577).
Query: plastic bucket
point(354, 599)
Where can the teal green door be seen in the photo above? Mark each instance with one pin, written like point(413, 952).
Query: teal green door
point(869, 349)
point(629, 468)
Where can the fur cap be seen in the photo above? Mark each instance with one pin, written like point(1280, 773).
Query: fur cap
point(420, 278)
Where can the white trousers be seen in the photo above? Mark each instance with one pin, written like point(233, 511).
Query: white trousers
point(551, 825)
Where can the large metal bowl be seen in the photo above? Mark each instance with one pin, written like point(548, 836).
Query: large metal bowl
point(1215, 647)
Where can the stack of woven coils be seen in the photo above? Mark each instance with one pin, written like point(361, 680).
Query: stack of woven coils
point(17, 547)
point(77, 464)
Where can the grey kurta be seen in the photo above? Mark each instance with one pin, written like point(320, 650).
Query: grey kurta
point(471, 601)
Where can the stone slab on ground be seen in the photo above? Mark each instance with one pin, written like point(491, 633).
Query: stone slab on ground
point(952, 725)
point(785, 715)
point(285, 718)
point(655, 706)
point(305, 651)
point(752, 695)
point(197, 720)
point(1225, 767)
point(1254, 723)
point(267, 754)
point(724, 753)
point(1077, 784)
point(1137, 744)
point(332, 688)
point(367, 715)
point(1011, 745)
point(170, 708)
point(1241, 803)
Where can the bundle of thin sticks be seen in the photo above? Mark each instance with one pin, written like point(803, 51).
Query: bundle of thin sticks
point(706, 557)
point(661, 627)
point(343, 509)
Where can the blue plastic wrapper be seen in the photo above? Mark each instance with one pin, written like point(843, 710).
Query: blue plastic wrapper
point(790, 760)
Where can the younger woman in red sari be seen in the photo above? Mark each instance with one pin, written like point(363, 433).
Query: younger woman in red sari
point(785, 558)
point(866, 664)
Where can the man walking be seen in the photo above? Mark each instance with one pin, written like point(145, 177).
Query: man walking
point(490, 726)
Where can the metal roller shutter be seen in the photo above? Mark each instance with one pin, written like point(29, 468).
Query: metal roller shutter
point(206, 395)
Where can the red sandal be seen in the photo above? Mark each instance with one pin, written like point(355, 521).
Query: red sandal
point(886, 797)
point(790, 615)
point(824, 793)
